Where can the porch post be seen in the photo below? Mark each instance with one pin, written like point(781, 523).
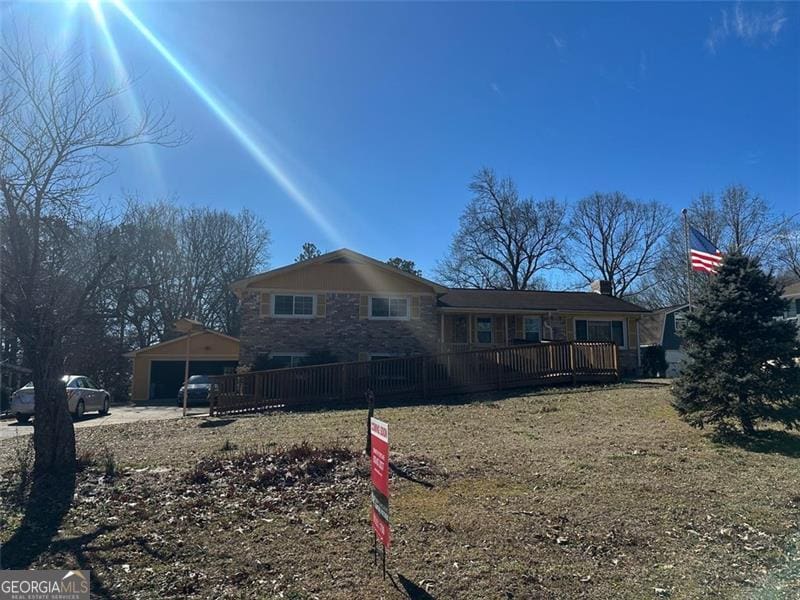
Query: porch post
point(505, 328)
point(441, 334)
point(469, 330)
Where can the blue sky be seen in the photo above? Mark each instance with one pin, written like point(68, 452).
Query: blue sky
point(378, 114)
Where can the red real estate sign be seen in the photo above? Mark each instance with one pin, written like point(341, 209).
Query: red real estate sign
point(379, 474)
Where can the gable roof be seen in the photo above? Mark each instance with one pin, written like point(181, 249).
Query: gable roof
point(671, 309)
point(536, 301)
point(793, 289)
point(336, 255)
point(179, 339)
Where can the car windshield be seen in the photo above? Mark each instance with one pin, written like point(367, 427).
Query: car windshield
point(199, 379)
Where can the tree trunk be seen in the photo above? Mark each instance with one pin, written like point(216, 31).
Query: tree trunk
point(747, 423)
point(53, 432)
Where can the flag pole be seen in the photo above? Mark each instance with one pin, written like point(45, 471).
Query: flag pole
point(685, 214)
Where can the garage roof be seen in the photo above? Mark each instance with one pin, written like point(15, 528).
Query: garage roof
point(179, 339)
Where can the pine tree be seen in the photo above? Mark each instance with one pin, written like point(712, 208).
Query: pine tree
point(741, 367)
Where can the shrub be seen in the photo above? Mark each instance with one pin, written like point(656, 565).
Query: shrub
point(654, 361)
point(109, 464)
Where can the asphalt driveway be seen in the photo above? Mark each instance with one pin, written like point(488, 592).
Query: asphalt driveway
point(9, 428)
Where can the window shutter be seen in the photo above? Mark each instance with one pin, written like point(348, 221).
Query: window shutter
point(363, 356)
point(632, 342)
point(497, 327)
point(363, 306)
point(264, 306)
point(581, 330)
point(519, 322)
point(415, 307)
point(321, 305)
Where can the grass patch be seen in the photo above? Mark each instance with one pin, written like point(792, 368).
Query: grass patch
point(587, 492)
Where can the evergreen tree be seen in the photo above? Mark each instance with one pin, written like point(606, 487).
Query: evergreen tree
point(309, 251)
point(741, 366)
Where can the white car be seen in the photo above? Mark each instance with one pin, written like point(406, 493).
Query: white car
point(82, 396)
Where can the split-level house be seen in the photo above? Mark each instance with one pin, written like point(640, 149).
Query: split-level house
point(359, 308)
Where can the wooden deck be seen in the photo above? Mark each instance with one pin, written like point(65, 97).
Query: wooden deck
point(420, 377)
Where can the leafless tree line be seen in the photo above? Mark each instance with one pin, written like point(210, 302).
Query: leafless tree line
point(175, 262)
point(505, 241)
point(81, 283)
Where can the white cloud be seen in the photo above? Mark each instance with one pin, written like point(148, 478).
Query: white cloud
point(496, 88)
point(751, 25)
point(559, 42)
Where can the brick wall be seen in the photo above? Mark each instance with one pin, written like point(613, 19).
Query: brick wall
point(340, 331)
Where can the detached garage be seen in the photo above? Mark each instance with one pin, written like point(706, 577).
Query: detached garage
point(158, 370)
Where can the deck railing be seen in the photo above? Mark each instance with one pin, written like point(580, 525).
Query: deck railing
point(422, 376)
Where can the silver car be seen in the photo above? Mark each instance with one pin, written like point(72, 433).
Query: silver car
point(82, 396)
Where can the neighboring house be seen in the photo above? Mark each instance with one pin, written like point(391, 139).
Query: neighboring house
point(662, 328)
point(359, 308)
point(792, 293)
point(158, 370)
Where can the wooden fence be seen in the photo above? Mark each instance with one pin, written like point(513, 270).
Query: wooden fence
point(417, 376)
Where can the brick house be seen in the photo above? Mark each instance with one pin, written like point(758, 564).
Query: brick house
point(359, 308)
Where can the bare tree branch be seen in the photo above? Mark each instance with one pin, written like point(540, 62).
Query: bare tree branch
point(503, 241)
point(615, 238)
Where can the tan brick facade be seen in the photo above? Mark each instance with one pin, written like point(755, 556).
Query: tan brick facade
point(341, 330)
point(342, 282)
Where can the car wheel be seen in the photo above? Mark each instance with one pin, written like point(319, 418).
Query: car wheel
point(22, 419)
point(104, 410)
point(79, 409)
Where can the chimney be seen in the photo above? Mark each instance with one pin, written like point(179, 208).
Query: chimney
point(601, 286)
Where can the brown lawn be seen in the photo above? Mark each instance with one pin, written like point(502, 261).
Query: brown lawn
point(568, 493)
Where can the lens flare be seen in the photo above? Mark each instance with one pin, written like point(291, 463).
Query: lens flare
point(123, 78)
point(223, 113)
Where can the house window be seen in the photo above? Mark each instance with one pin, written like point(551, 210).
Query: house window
point(386, 307)
point(533, 328)
point(600, 331)
point(293, 306)
point(484, 330)
point(283, 361)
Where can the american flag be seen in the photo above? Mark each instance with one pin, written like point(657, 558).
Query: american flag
point(704, 255)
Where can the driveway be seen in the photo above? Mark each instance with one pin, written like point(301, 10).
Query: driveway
point(118, 414)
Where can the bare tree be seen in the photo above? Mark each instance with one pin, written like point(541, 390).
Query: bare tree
point(57, 125)
point(736, 220)
point(789, 252)
point(616, 238)
point(503, 241)
point(175, 262)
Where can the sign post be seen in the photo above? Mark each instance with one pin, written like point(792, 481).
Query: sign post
point(379, 475)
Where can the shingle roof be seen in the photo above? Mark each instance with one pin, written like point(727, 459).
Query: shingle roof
point(535, 300)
